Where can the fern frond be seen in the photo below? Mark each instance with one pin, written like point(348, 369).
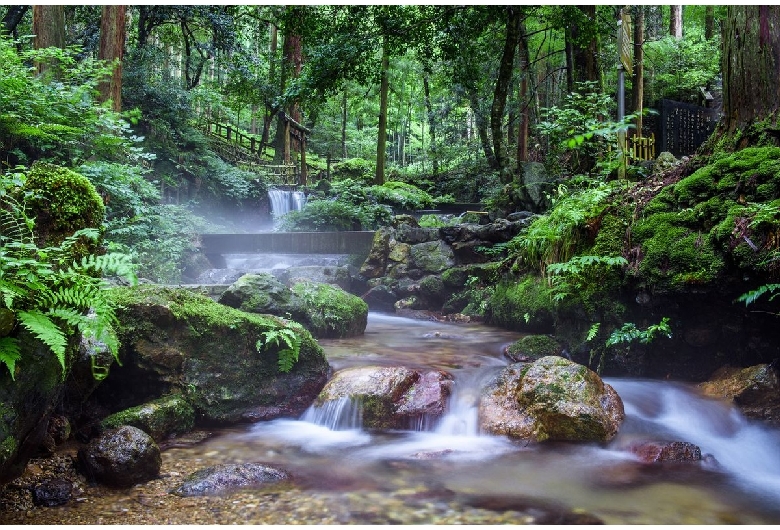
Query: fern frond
point(113, 264)
point(10, 353)
point(287, 356)
point(46, 331)
point(751, 296)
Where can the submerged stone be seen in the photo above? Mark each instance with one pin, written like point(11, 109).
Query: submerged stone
point(224, 478)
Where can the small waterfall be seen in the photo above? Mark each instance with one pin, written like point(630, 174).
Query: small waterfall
point(337, 414)
point(285, 201)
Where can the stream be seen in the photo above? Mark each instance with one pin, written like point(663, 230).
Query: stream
point(447, 472)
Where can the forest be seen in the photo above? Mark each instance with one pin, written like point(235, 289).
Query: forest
point(604, 180)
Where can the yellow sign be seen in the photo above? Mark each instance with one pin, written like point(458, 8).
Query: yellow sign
point(624, 41)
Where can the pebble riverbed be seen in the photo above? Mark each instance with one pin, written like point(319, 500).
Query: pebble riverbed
point(151, 503)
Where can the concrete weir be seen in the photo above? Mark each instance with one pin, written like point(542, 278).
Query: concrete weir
point(214, 246)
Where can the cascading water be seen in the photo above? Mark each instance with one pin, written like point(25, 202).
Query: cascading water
point(451, 473)
point(285, 201)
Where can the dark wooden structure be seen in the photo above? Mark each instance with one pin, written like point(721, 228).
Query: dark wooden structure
point(680, 128)
point(235, 143)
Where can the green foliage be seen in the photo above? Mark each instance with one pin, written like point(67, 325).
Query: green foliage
point(676, 68)
point(629, 333)
point(580, 273)
point(57, 119)
point(751, 296)
point(324, 216)
point(51, 295)
point(581, 135)
point(288, 355)
point(557, 236)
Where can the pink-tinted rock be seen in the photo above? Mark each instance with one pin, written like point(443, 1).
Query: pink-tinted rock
point(661, 451)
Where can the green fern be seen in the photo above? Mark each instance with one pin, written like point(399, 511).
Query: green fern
point(46, 331)
point(9, 354)
point(751, 296)
point(288, 356)
point(51, 294)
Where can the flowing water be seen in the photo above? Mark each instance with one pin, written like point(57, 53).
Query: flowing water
point(329, 450)
point(285, 201)
point(447, 472)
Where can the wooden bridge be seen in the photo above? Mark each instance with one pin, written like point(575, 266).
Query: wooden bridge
point(215, 246)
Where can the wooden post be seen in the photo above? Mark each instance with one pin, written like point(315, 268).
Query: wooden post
point(304, 169)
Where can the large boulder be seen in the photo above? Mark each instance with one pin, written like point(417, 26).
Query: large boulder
point(229, 364)
point(325, 310)
point(121, 457)
point(551, 399)
point(160, 418)
point(755, 390)
point(26, 404)
point(390, 397)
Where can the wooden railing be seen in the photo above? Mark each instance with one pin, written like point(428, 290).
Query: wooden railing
point(641, 148)
point(250, 146)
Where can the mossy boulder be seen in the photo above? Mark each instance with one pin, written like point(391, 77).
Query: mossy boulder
point(160, 418)
point(62, 202)
point(223, 361)
point(325, 310)
point(524, 305)
point(691, 234)
point(551, 399)
point(390, 397)
point(328, 311)
point(431, 257)
point(533, 347)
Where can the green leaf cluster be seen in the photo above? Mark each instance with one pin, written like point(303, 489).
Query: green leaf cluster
point(288, 355)
point(52, 295)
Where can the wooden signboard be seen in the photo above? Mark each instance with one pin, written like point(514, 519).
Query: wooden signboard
point(625, 49)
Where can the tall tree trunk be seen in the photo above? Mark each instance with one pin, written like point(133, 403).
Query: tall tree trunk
point(584, 56)
point(12, 18)
point(432, 147)
point(751, 68)
point(344, 124)
point(481, 125)
point(112, 48)
point(709, 22)
point(49, 29)
point(290, 68)
point(384, 87)
point(675, 22)
point(269, 112)
point(522, 128)
point(637, 90)
point(502, 88)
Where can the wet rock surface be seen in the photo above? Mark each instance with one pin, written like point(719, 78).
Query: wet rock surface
point(121, 457)
point(662, 451)
point(551, 399)
point(755, 390)
point(390, 397)
point(224, 478)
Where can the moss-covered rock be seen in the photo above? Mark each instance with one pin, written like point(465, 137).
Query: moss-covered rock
point(161, 418)
point(431, 257)
point(524, 305)
point(26, 404)
point(328, 311)
point(723, 214)
point(533, 347)
point(325, 310)
point(62, 202)
point(551, 399)
point(225, 362)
